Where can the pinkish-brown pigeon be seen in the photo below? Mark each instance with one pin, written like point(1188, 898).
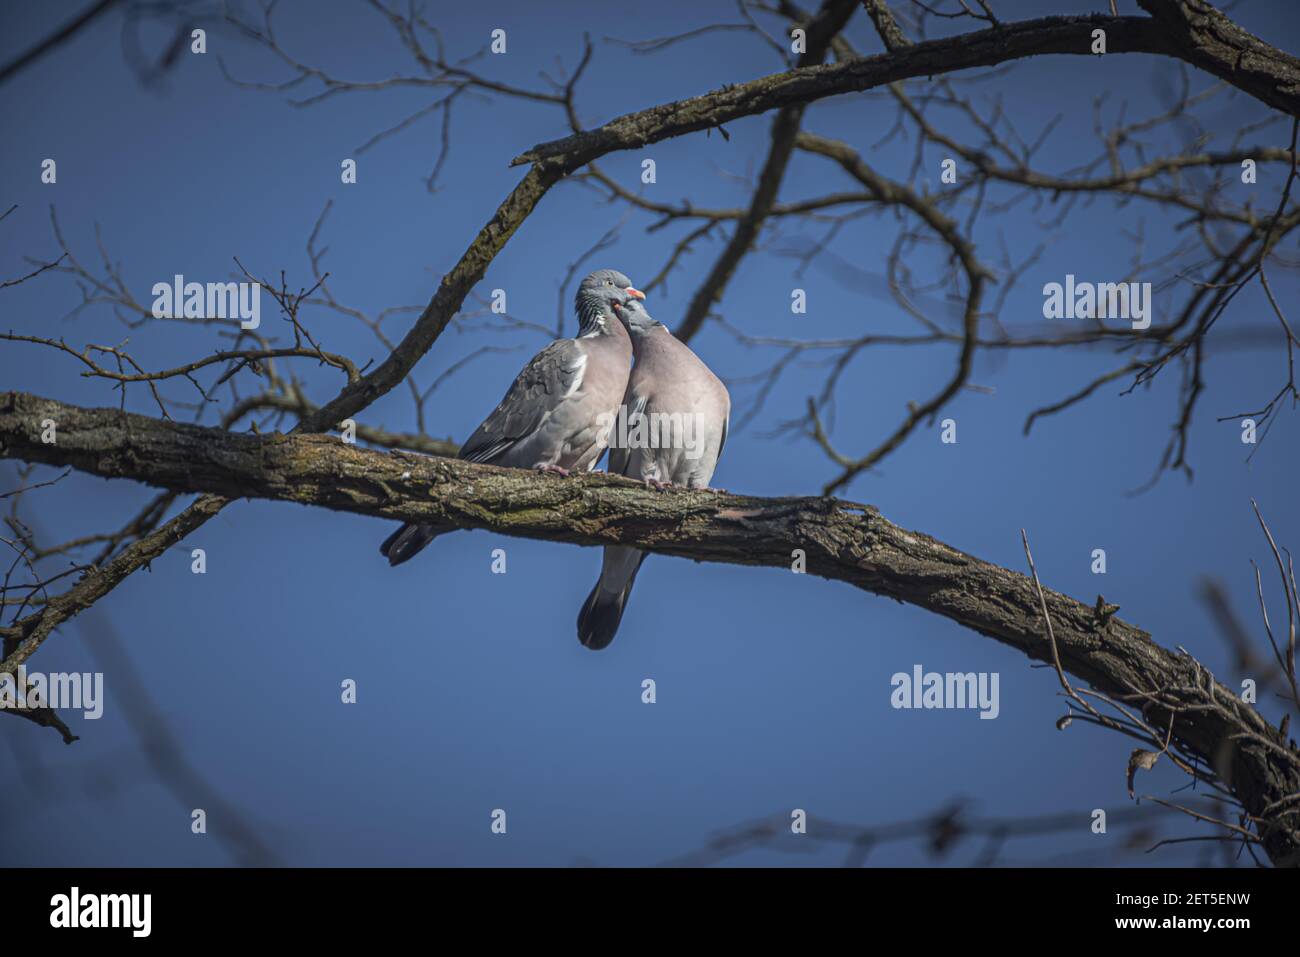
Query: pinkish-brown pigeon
point(672, 429)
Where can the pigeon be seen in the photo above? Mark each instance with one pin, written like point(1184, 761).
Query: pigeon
point(556, 415)
point(672, 427)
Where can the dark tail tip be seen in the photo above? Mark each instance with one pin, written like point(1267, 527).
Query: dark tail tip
point(599, 618)
point(407, 542)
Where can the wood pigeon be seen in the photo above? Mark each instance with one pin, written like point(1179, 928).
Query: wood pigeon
point(556, 416)
point(672, 429)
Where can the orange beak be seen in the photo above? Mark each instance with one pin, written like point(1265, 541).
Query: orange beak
point(634, 293)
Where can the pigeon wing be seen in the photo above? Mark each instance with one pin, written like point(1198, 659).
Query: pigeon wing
point(552, 376)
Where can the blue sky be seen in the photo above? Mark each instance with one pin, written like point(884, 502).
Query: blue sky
point(773, 689)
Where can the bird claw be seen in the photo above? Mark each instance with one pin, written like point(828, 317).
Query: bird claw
point(657, 485)
point(556, 469)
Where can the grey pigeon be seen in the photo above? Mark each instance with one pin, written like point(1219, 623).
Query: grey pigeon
point(555, 417)
point(672, 427)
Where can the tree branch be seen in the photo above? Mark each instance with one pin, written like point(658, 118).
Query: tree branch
point(842, 541)
point(1274, 78)
point(821, 29)
point(1208, 39)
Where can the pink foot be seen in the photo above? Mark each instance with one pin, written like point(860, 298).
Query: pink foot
point(657, 485)
point(558, 470)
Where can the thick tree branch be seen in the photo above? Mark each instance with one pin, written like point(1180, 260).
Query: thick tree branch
point(842, 541)
point(1206, 38)
point(1272, 79)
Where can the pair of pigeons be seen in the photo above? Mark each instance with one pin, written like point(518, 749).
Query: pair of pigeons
point(557, 417)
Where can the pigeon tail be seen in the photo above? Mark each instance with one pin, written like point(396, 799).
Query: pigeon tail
point(408, 541)
point(602, 612)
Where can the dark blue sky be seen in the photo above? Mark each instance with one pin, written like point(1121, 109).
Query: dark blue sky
point(773, 689)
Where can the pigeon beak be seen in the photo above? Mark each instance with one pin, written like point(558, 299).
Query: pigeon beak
point(634, 293)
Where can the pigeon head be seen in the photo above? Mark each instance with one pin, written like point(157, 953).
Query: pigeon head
point(599, 294)
point(634, 316)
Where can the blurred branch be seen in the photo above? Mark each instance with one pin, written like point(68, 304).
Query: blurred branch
point(941, 835)
point(56, 39)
